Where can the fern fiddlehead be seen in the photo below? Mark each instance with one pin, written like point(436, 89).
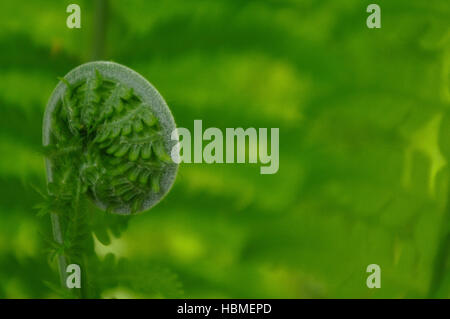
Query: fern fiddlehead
point(107, 134)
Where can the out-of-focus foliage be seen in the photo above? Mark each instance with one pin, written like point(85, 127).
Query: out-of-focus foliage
point(364, 140)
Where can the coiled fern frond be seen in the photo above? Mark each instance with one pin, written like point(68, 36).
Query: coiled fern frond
point(107, 133)
point(110, 128)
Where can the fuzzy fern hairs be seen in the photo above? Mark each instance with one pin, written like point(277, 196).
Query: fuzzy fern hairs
point(107, 131)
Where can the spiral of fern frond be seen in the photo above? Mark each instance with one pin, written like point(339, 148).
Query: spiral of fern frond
point(106, 136)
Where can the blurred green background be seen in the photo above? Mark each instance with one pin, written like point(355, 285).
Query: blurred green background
point(362, 179)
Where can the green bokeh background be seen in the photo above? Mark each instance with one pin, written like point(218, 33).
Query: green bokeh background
point(363, 175)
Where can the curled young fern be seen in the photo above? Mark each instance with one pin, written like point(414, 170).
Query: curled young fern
point(110, 128)
point(107, 134)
